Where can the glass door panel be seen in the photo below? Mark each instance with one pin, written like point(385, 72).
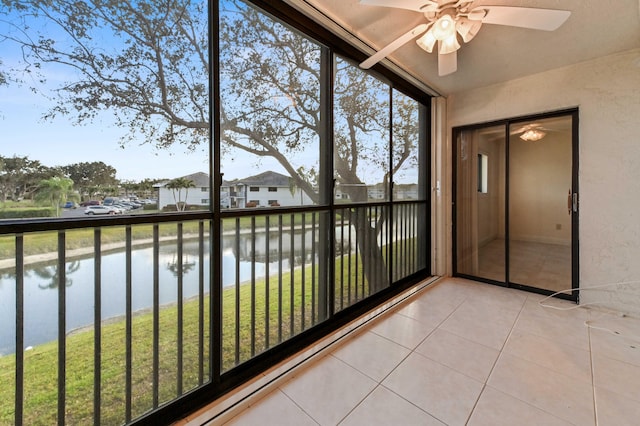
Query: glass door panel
point(540, 182)
point(480, 203)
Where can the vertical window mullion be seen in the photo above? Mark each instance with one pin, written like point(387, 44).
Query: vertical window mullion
point(19, 393)
point(62, 324)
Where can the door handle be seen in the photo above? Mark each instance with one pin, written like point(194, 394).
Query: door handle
point(569, 203)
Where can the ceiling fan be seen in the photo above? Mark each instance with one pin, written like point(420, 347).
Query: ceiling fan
point(449, 21)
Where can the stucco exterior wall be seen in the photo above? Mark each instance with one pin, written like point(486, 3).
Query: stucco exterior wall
point(194, 197)
point(607, 93)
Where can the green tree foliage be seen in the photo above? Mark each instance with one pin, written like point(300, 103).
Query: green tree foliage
point(3, 77)
point(20, 177)
point(176, 186)
point(55, 191)
point(91, 178)
point(147, 62)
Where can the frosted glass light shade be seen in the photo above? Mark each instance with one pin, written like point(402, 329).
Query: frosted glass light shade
point(444, 28)
point(449, 45)
point(427, 41)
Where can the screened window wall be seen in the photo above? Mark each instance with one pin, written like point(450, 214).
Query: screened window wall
point(180, 210)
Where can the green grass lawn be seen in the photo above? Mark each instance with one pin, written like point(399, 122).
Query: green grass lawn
point(290, 298)
point(40, 364)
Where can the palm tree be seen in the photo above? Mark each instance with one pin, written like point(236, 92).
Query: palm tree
point(54, 190)
point(176, 186)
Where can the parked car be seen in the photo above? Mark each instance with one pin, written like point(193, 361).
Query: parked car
point(69, 205)
point(90, 203)
point(91, 210)
point(121, 206)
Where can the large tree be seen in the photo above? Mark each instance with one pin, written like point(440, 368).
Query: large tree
point(92, 177)
point(20, 177)
point(147, 62)
point(54, 191)
point(176, 186)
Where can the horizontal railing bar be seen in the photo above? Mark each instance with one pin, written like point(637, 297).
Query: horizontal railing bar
point(17, 226)
point(395, 237)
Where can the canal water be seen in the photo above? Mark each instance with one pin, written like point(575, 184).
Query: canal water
point(41, 285)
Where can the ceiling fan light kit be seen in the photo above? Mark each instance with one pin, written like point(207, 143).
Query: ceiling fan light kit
point(448, 19)
point(427, 41)
point(532, 135)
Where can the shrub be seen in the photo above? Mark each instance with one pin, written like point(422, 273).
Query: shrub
point(25, 213)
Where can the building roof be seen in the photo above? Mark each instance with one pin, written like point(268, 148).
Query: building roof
point(267, 178)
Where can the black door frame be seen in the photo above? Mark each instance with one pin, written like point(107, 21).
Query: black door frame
point(573, 294)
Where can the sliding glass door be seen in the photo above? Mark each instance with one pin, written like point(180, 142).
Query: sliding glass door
point(515, 203)
point(480, 189)
point(540, 208)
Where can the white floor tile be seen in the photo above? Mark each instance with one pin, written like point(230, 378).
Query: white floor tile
point(432, 356)
point(615, 337)
point(467, 357)
point(402, 330)
point(429, 312)
point(328, 390)
point(562, 396)
point(276, 409)
point(384, 407)
point(463, 324)
point(444, 393)
point(496, 408)
point(572, 333)
point(372, 354)
point(616, 410)
point(561, 358)
point(617, 376)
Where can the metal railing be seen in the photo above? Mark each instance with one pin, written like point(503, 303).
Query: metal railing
point(114, 319)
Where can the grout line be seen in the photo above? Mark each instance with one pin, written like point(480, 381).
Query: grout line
point(486, 381)
point(264, 383)
point(296, 404)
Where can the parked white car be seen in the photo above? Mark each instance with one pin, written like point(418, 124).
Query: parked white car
point(91, 210)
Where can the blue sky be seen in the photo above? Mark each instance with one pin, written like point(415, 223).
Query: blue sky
point(58, 142)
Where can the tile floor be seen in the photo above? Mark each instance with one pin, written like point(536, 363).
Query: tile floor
point(534, 264)
point(461, 352)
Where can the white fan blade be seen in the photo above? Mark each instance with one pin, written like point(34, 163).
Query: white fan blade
point(417, 5)
point(447, 64)
point(396, 44)
point(525, 17)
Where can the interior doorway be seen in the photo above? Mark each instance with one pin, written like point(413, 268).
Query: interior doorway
point(516, 203)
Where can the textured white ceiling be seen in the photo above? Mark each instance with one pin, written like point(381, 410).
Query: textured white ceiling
point(498, 53)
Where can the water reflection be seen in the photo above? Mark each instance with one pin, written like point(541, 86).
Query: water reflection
point(51, 276)
point(41, 281)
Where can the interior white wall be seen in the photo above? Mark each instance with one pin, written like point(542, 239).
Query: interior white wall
point(607, 93)
point(539, 183)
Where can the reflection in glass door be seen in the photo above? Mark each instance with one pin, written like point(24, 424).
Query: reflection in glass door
point(540, 207)
point(480, 188)
point(515, 205)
